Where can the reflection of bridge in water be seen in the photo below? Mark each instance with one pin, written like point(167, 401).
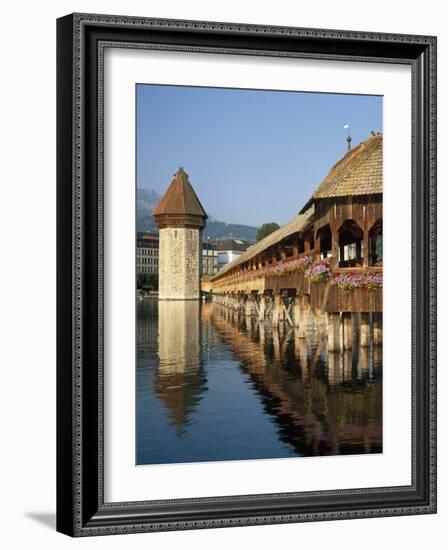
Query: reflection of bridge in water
point(213, 384)
point(324, 403)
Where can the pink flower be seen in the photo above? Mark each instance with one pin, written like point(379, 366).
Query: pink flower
point(319, 270)
point(352, 280)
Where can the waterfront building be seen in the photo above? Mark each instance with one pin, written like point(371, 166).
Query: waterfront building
point(180, 218)
point(229, 250)
point(209, 259)
point(147, 252)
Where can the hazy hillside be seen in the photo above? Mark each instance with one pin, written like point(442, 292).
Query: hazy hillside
point(147, 200)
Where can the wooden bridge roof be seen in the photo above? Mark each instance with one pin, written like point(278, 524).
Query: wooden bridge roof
point(299, 223)
point(358, 172)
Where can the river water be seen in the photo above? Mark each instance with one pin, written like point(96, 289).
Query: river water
point(214, 386)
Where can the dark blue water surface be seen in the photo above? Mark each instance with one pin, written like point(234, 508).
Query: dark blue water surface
point(215, 386)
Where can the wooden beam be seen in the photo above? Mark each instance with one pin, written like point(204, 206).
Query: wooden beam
point(276, 310)
point(307, 246)
point(286, 311)
point(365, 261)
point(295, 248)
point(335, 247)
point(317, 245)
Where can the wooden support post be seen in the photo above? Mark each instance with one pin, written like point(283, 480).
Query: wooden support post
point(287, 313)
point(334, 338)
point(365, 261)
point(295, 249)
point(276, 309)
point(364, 330)
point(261, 307)
point(335, 247)
point(377, 329)
point(307, 246)
point(317, 245)
point(347, 330)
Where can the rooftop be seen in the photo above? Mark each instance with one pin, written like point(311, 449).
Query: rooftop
point(299, 223)
point(233, 244)
point(358, 172)
point(180, 198)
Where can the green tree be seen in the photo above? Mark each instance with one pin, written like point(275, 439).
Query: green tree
point(266, 229)
point(147, 281)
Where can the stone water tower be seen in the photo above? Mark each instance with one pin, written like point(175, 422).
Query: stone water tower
point(180, 219)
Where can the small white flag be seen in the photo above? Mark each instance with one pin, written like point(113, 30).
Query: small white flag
point(345, 126)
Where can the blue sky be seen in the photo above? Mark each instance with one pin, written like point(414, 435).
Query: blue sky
point(252, 156)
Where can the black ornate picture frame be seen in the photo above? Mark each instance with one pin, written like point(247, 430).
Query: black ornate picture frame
point(81, 509)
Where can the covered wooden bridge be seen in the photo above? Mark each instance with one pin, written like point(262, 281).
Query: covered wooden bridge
point(323, 269)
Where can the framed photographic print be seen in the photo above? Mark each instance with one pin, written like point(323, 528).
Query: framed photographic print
point(246, 274)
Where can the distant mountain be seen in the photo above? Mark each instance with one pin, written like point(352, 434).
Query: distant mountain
point(219, 231)
point(147, 200)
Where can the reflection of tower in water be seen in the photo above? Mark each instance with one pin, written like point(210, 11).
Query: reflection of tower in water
point(180, 380)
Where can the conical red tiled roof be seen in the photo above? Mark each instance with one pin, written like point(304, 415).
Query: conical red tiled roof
point(180, 198)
